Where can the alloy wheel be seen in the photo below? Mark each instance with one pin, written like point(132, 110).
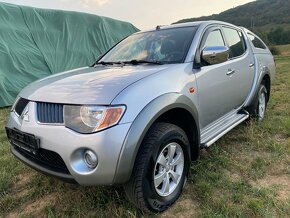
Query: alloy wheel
point(168, 169)
point(262, 105)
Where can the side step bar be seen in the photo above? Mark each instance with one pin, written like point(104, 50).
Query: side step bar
point(228, 125)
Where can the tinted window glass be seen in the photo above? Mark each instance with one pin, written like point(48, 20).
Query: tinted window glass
point(235, 41)
point(256, 42)
point(214, 38)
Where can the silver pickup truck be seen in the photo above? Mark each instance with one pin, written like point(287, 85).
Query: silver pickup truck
point(142, 112)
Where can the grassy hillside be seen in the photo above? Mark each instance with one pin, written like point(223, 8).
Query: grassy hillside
point(244, 174)
point(283, 49)
point(261, 16)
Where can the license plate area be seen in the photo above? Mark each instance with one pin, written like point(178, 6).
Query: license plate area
point(23, 140)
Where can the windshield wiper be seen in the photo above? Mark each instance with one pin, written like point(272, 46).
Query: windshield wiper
point(133, 62)
point(108, 63)
point(136, 62)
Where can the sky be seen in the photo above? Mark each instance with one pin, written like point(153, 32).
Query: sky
point(144, 14)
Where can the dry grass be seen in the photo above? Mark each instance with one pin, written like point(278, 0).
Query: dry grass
point(283, 49)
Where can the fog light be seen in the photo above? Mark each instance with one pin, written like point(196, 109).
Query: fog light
point(90, 159)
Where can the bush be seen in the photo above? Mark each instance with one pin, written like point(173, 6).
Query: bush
point(274, 50)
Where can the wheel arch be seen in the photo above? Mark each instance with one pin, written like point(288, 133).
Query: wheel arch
point(182, 118)
point(265, 78)
point(267, 82)
point(160, 109)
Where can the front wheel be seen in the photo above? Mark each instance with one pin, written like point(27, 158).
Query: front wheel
point(160, 169)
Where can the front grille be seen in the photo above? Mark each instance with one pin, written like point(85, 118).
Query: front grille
point(49, 113)
point(45, 158)
point(20, 105)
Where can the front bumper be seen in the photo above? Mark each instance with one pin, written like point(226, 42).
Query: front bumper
point(70, 146)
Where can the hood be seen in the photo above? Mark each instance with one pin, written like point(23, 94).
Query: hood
point(90, 85)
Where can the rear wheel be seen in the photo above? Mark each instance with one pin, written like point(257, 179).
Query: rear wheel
point(160, 169)
point(258, 108)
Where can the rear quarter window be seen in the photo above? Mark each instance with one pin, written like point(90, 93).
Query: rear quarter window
point(256, 41)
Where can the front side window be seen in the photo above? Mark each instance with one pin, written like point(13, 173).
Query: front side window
point(214, 38)
point(235, 42)
point(164, 46)
point(256, 41)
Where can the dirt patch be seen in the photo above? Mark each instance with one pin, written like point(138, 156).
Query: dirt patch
point(234, 177)
point(22, 180)
point(281, 138)
point(183, 208)
point(280, 168)
point(34, 208)
point(281, 181)
point(20, 185)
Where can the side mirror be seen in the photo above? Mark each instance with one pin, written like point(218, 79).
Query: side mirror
point(215, 54)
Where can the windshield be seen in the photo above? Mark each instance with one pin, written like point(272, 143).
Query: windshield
point(160, 46)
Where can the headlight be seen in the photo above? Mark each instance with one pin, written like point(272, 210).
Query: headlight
point(89, 119)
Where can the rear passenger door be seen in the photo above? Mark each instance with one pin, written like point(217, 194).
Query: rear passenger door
point(241, 67)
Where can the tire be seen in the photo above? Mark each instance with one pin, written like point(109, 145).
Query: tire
point(140, 190)
point(258, 108)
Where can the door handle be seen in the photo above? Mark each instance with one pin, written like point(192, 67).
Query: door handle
point(230, 72)
point(252, 64)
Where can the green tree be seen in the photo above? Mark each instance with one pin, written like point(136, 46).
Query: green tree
point(279, 36)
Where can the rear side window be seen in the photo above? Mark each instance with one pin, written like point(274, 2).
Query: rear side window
point(256, 41)
point(235, 42)
point(214, 38)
